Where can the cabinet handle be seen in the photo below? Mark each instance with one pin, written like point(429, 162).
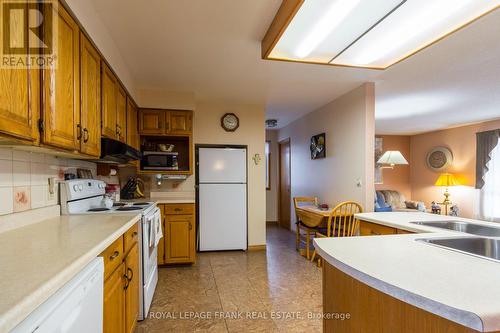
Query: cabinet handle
point(131, 274)
point(85, 135)
point(78, 132)
point(114, 255)
point(127, 282)
point(134, 234)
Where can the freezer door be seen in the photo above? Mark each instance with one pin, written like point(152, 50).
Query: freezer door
point(222, 165)
point(223, 217)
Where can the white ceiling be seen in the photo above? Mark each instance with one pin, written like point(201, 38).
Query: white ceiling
point(212, 48)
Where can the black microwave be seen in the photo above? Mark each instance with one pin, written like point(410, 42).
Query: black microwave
point(159, 160)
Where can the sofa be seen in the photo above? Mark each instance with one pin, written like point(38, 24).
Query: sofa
point(394, 201)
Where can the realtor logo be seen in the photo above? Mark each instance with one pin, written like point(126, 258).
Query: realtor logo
point(27, 34)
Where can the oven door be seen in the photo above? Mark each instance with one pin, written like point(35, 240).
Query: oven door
point(149, 257)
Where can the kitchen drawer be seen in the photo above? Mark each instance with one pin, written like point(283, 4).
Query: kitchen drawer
point(130, 238)
point(372, 229)
point(113, 256)
point(179, 209)
point(401, 231)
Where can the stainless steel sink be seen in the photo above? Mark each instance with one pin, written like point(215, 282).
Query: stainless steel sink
point(487, 248)
point(468, 228)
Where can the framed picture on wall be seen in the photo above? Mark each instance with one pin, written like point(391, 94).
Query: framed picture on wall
point(318, 148)
point(379, 150)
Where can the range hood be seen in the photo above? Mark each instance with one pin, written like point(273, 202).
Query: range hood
point(116, 152)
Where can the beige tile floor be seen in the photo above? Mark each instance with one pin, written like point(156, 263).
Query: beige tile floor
point(239, 292)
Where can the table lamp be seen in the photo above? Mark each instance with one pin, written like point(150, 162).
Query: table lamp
point(392, 158)
point(446, 180)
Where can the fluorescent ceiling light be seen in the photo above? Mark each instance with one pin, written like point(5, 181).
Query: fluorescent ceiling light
point(365, 33)
point(330, 20)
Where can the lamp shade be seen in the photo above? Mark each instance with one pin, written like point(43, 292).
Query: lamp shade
point(446, 180)
point(392, 157)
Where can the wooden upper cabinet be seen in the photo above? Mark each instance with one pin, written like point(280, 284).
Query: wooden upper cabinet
point(180, 122)
point(20, 100)
point(165, 122)
point(152, 122)
point(109, 97)
point(121, 114)
point(61, 112)
point(133, 139)
point(90, 84)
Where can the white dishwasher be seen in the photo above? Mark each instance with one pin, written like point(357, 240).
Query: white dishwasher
point(75, 308)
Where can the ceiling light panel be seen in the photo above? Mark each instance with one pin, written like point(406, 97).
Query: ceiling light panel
point(413, 26)
point(321, 29)
point(365, 33)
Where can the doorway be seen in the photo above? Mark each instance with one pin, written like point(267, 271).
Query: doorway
point(285, 201)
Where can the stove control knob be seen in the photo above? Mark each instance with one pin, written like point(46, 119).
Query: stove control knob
point(75, 188)
point(80, 187)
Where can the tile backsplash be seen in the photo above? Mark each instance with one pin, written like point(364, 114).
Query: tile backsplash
point(24, 178)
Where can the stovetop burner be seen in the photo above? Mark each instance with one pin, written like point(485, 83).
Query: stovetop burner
point(118, 204)
point(103, 209)
point(121, 209)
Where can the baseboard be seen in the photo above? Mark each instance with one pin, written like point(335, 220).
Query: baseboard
point(257, 247)
point(272, 222)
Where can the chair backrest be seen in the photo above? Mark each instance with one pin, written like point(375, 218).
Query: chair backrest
point(304, 201)
point(342, 222)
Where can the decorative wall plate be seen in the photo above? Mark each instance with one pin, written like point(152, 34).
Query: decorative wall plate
point(439, 159)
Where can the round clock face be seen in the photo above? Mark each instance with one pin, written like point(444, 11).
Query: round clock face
point(230, 122)
point(439, 159)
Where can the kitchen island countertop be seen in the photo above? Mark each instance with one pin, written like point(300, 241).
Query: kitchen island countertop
point(459, 287)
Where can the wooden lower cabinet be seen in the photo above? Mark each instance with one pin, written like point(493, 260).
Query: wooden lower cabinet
point(373, 229)
point(371, 310)
point(114, 302)
point(132, 290)
point(179, 234)
point(121, 288)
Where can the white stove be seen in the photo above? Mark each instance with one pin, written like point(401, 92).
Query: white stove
point(85, 196)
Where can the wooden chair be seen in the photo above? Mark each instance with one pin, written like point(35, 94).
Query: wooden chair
point(298, 202)
point(341, 222)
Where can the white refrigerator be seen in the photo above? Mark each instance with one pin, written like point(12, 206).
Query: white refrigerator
point(222, 195)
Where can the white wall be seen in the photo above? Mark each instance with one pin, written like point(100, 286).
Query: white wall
point(88, 17)
point(349, 125)
point(272, 193)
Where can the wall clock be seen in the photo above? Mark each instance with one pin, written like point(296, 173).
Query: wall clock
point(439, 159)
point(230, 122)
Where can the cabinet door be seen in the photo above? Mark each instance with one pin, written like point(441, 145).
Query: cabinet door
point(180, 122)
point(90, 85)
point(132, 131)
point(114, 302)
point(132, 289)
point(108, 110)
point(152, 122)
point(19, 98)
point(121, 114)
point(61, 85)
point(161, 244)
point(179, 244)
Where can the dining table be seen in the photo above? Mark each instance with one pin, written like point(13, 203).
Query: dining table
point(312, 217)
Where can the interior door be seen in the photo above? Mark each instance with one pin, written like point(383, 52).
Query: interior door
point(285, 184)
point(62, 85)
point(90, 64)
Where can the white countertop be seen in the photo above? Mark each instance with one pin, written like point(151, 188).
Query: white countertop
point(459, 287)
point(172, 197)
point(38, 259)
